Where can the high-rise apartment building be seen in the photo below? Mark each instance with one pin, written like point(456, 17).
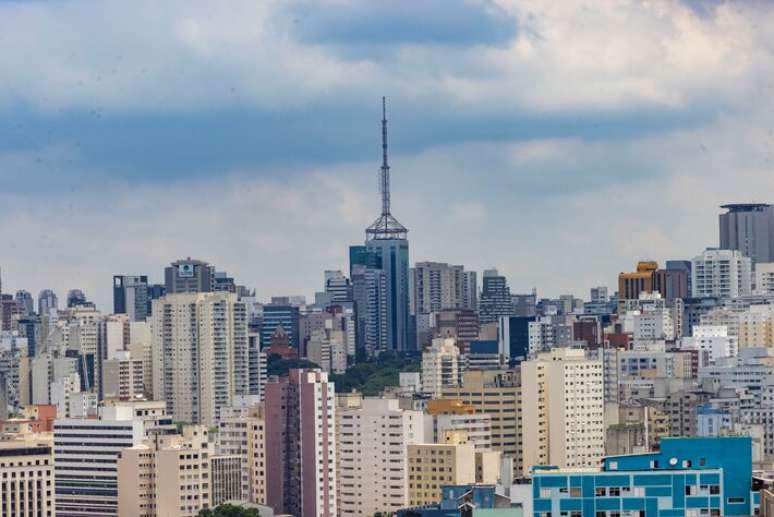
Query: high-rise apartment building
point(242, 433)
point(441, 366)
point(371, 439)
point(85, 457)
point(721, 273)
point(301, 444)
point(437, 286)
point(189, 276)
point(130, 296)
point(495, 297)
point(498, 394)
point(200, 354)
point(562, 399)
point(123, 377)
point(749, 228)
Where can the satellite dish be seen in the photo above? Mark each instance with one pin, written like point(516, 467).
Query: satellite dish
point(673, 461)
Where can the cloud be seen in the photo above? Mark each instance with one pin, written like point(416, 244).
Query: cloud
point(559, 141)
point(454, 23)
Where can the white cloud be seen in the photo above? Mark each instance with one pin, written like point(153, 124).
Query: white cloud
point(191, 55)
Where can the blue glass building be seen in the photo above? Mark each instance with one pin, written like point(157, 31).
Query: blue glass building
point(689, 477)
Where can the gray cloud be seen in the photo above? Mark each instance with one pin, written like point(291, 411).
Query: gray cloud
point(562, 152)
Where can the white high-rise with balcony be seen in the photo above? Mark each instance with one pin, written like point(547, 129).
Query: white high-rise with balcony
point(721, 273)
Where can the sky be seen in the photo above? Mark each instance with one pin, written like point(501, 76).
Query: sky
point(560, 142)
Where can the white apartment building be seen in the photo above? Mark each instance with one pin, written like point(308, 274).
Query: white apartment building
point(200, 354)
point(721, 273)
point(85, 454)
point(123, 376)
point(712, 342)
point(440, 366)
point(562, 399)
point(371, 438)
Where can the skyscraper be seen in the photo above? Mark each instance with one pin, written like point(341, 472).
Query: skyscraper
point(47, 301)
point(749, 228)
point(75, 297)
point(130, 296)
point(495, 297)
point(189, 276)
point(25, 302)
point(387, 248)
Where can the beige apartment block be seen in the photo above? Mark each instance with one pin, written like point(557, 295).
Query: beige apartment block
point(562, 399)
point(27, 475)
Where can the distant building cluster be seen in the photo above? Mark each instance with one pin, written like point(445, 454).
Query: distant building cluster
point(654, 398)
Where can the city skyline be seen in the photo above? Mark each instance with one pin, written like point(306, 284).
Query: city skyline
point(527, 172)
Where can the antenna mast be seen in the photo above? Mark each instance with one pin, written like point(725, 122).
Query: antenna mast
point(385, 175)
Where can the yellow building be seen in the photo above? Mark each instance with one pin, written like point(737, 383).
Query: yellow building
point(496, 393)
point(433, 465)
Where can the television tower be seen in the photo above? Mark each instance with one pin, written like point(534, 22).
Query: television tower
point(386, 226)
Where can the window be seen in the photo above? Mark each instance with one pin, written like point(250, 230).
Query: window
point(615, 491)
point(601, 492)
point(735, 500)
point(575, 491)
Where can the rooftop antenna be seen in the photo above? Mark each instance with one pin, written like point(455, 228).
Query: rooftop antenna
point(386, 226)
point(385, 175)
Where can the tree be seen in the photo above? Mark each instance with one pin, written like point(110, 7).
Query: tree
point(276, 365)
point(229, 510)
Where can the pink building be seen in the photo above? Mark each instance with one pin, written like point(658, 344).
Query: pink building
point(300, 444)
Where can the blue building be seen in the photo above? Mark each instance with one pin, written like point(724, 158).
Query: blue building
point(276, 315)
point(689, 477)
